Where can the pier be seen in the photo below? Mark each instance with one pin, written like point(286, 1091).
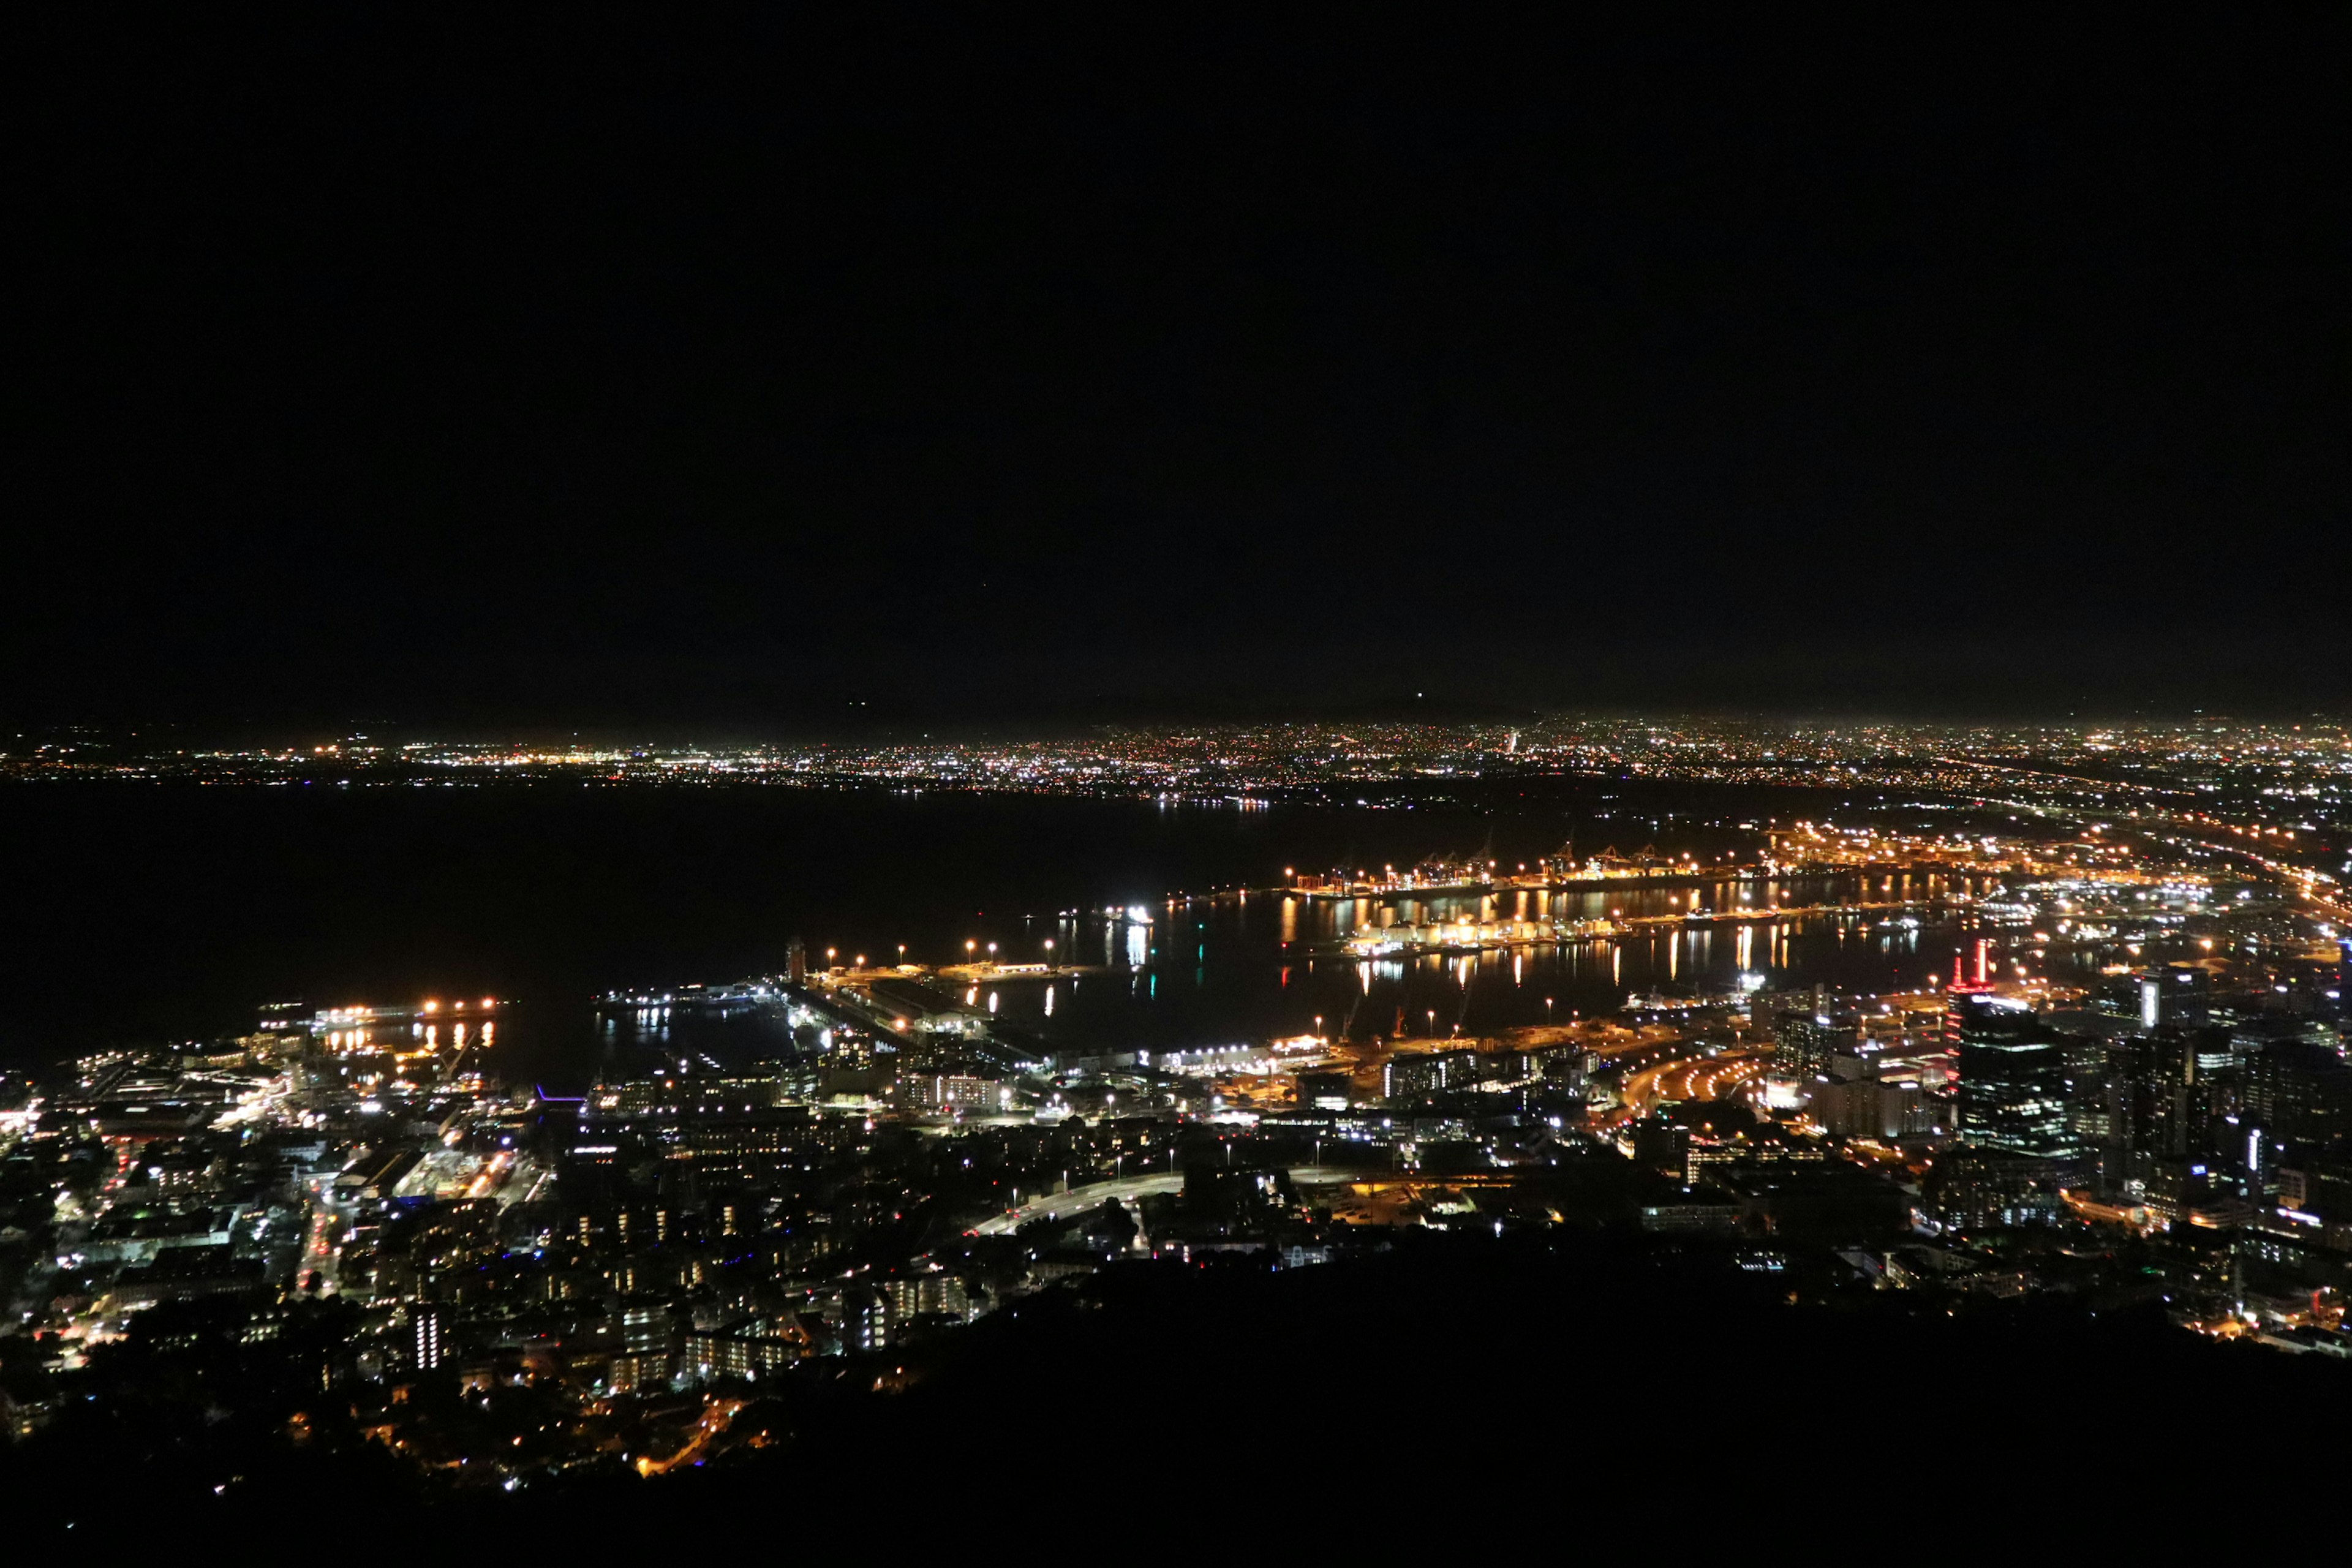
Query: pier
point(1497, 936)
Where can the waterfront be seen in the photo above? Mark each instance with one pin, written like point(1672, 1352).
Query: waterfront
point(1246, 967)
point(158, 913)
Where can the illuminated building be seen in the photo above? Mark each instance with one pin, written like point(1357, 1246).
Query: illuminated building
point(1866, 1108)
point(647, 1352)
point(749, 1350)
point(1325, 1090)
point(925, 1295)
point(1963, 991)
point(948, 1091)
point(1807, 1045)
point(2192, 1074)
point(2112, 1104)
point(1985, 1187)
point(1415, 1076)
point(2013, 1085)
point(2298, 1090)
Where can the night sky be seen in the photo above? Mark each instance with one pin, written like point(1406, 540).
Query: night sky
point(759, 371)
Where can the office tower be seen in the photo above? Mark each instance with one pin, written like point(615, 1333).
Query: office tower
point(2013, 1086)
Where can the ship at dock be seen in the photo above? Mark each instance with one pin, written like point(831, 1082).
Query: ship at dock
point(1472, 936)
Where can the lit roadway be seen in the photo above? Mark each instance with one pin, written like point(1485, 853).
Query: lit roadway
point(1648, 1038)
point(1703, 1078)
point(2317, 887)
point(319, 1252)
point(716, 1415)
point(1094, 1194)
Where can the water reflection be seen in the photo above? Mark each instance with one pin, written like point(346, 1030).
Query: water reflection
point(1253, 977)
point(1246, 973)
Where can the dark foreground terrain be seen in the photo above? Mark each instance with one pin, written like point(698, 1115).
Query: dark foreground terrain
point(1599, 1390)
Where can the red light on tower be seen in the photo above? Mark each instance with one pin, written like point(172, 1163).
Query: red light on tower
point(1983, 982)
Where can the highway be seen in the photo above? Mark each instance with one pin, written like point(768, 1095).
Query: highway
point(2318, 890)
point(1094, 1194)
point(1697, 1078)
point(716, 1416)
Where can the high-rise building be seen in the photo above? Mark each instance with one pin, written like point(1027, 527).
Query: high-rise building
point(646, 1356)
point(2299, 1090)
point(1807, 1043)
point(1866, 1108)
point(425, 1336)
point(1987, 1187)
point(2112, 1092)
point(2193, 1074)
point(2013, 1084)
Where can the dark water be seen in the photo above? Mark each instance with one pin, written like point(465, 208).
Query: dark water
point(1233, 968)
point(140, 913)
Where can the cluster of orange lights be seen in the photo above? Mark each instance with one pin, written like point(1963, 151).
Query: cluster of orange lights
point(487, 1002)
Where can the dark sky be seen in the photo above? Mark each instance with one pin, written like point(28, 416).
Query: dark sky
point(635, 368)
